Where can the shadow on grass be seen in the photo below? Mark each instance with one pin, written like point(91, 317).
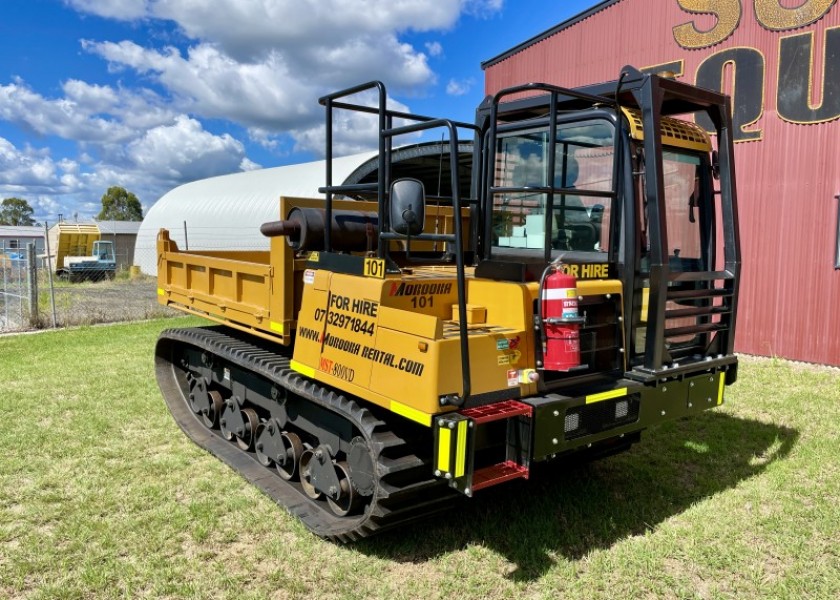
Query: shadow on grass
point(572, 510)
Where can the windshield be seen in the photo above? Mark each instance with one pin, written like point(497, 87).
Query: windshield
point(103, 250)
point(579, 218)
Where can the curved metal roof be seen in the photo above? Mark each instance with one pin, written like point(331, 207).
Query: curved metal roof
point(225, 212)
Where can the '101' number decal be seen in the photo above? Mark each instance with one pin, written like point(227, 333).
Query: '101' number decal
point(374, 267)
point(422, 301)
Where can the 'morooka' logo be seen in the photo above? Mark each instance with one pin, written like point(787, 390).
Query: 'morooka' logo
point(419, 289)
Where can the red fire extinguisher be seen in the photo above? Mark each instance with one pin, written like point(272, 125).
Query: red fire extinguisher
point(561, 323)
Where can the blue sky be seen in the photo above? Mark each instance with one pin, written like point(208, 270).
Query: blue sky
point(150, 94)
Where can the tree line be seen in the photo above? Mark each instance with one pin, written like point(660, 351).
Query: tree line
point(118, 204)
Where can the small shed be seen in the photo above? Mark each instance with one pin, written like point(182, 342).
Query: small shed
point(18, 237)
point(124, 236)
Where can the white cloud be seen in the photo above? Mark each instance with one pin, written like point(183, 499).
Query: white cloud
point(352, 132)
point(26, 168)
point(434, 48)
point(213, 85)
point(248, 165)
point(63, 117)
point(482, 8)
point(124, 10)
point(184, 151)
point(457, 87)
point(259, 64)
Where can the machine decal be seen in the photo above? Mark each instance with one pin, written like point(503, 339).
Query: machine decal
point(419, 289)
point(510, 359)
point(513, 378)
point(374, 267)
point(390, 360)
point(341, 344)
point(337, 369)
point(355, 305)
point(309, 334)
point(354, 324)
point(309, 276)
point(588, 271)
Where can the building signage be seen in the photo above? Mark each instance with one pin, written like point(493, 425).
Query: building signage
point(804, 94)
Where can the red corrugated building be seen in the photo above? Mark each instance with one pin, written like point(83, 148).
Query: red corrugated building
point(780, 61)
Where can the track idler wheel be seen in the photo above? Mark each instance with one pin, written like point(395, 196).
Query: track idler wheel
point(321, 476)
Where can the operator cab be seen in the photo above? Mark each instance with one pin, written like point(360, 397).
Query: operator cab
point(617, 183)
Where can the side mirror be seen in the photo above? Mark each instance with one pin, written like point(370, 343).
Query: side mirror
point(408, 206)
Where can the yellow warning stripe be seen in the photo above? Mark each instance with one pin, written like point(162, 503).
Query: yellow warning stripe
point(720, 388)
point(606, 395)
point(411, 413)
point(302, 369)
point(275, 326)
point(161, 292)
point(461, 449)
point(444, 447)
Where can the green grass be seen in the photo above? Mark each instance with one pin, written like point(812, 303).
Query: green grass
point(102, 496)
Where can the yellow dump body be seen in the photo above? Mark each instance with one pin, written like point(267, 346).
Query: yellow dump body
point(71, 239)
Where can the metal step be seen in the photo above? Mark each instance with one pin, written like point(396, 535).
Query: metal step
point(496, 474)
point(496, 411)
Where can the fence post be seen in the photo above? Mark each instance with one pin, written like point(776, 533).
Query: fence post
point(50, 271)
point(32, 272)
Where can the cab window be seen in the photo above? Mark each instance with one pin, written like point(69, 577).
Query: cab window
point(583, 163)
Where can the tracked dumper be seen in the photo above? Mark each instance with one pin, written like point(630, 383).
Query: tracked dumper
point(393, 352)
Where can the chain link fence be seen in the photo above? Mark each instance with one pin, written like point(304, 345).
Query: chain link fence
point(31, 297)
point(15, 289)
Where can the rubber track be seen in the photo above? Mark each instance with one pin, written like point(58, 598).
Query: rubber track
point(405, 489)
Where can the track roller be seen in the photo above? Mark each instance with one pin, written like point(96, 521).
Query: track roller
point(293, 449)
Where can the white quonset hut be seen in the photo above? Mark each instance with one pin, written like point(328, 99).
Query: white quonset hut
point(225, 212)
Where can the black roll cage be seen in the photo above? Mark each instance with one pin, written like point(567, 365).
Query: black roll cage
point(655, 97)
